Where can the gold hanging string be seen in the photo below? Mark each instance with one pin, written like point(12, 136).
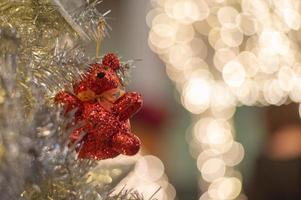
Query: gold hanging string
point(100, 34)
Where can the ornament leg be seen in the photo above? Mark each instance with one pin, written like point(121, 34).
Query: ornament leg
point(126, 143)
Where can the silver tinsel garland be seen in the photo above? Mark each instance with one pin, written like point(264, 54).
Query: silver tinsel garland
point(40, 55)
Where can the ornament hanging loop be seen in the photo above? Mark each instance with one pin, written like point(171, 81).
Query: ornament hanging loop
point(100, 34)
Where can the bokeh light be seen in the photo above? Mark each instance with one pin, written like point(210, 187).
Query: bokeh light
point(221, 54)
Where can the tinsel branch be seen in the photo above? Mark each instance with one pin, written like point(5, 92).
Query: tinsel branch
point(40, 53)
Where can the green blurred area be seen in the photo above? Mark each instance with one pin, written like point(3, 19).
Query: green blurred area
point(251, 133)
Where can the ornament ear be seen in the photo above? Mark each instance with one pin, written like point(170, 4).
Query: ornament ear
point(111, 60)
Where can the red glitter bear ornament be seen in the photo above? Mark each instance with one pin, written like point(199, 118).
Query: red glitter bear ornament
point(102, 113)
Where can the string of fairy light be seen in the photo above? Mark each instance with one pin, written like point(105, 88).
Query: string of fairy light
point(222, 54)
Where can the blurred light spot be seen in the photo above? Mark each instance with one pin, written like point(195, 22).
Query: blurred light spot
point(269, 61)
point(196, 95)
point(218, 135)
point(227, 16)
point(205, 196)
point(162, 36)
point(214, 36)
point(247, 24)
point(151, 15)
point(202, 27)
point(223, 102)
point(170, 192)
point(231, 36)
point(188, 11)
point(248, 92)
point(274, 41)
point(225, 188)
point(234, 74)
point(273, 93)
point(198, 47)
point(250, 63)
point(212, 169)
point(212, 19)
point(235, 155)
point(149, 168)
point(185, 33)
point(292, 18)
point(286, 78)
point(195, 63)
point(179, 54)
point(223, 56)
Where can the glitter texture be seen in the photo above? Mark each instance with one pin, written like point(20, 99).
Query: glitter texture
point(106, 131)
